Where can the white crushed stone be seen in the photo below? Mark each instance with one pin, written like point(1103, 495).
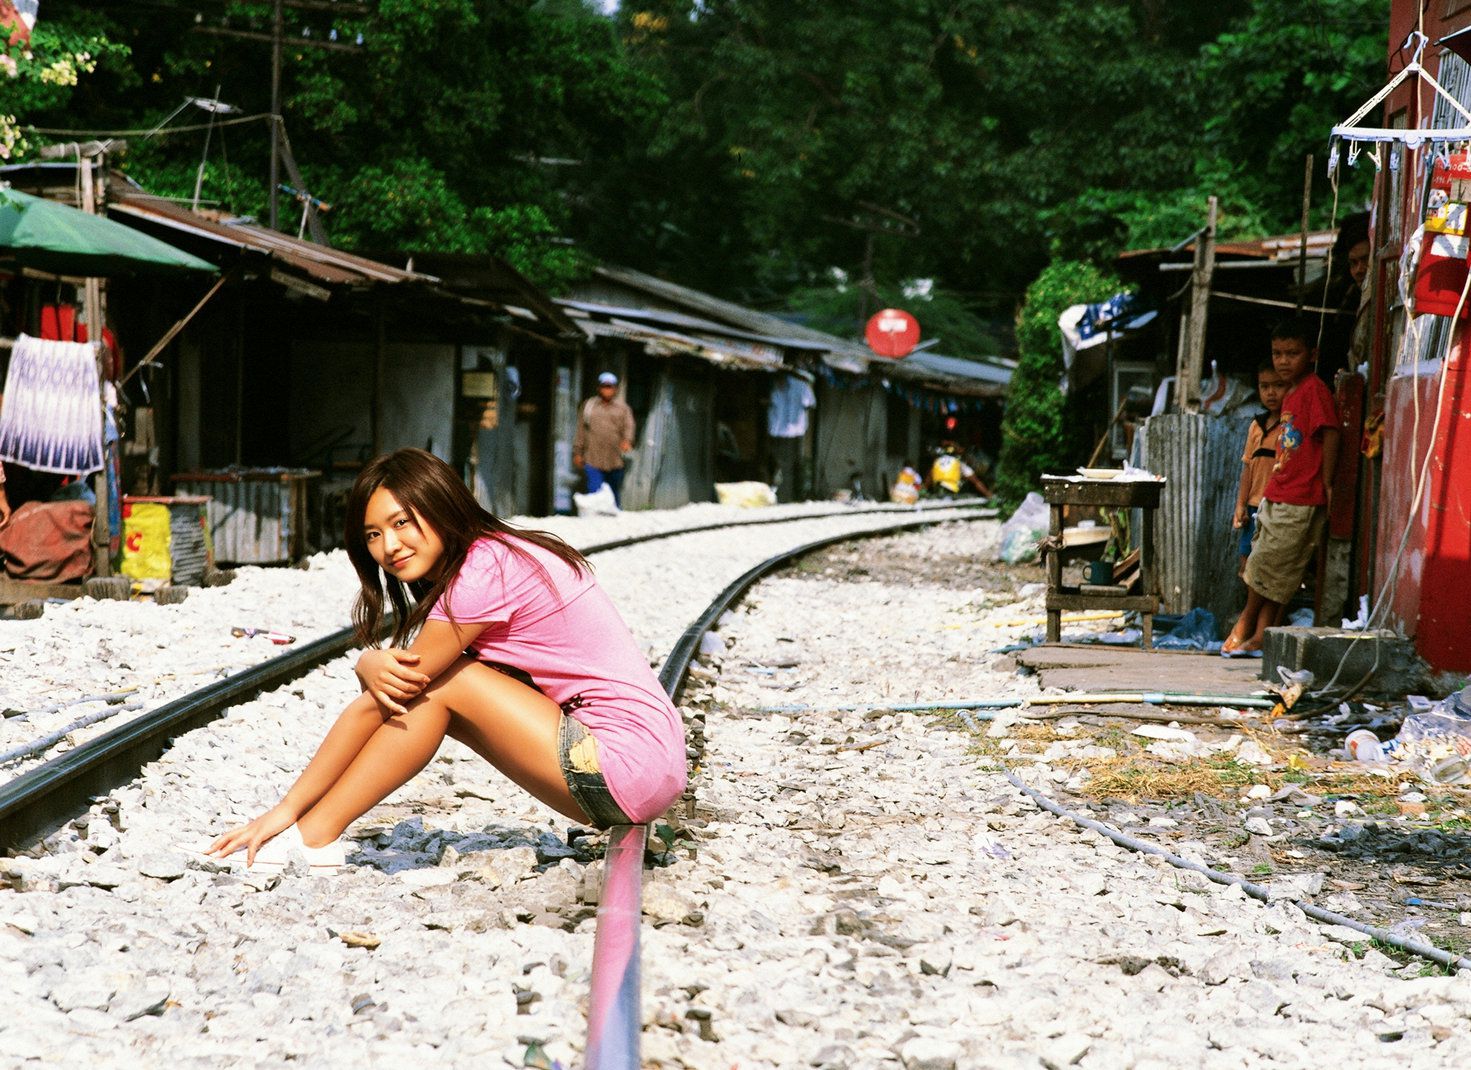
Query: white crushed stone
point(864, 895)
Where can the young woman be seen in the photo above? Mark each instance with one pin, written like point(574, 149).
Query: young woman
point(505, 643)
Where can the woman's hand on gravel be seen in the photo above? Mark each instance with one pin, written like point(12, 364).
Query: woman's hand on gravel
point(387, 676)
point(254, 835)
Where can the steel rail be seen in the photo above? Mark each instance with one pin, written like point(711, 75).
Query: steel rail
point(614, 1019)
point(632, 540)
point(41, 800)
point(44, 798)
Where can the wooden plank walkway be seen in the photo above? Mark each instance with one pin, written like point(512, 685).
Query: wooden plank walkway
point(1079, 667)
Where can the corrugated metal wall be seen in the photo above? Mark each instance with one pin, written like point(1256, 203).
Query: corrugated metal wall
point(1195, 545)
point(852, 425)
point(254, 521)
point(673, 463)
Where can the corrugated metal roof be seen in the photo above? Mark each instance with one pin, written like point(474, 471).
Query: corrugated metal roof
point(978, 371)
point(837, 352)
point(1283, 247)
point(332, 267)
point(661, 341)
point(664, 317)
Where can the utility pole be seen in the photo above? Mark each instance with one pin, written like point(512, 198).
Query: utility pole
point(277, 29)
point(276, 39)
point(1192, 349)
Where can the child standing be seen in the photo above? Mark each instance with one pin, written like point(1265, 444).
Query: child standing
point(504, 642)
point(1294, 505)
point(1259, 457)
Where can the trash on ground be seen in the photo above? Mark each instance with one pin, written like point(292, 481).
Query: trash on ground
point(1196, 630)
point(1434, 740)
point(279, 638)
point(1024, 531)
point(748, 495)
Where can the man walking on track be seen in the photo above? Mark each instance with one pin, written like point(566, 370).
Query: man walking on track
point(604, 434)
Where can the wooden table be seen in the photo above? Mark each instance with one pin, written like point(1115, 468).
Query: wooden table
point(1059, 491)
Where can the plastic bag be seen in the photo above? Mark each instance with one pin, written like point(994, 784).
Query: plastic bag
point(748, 495)
point(1435, 739)
point(1024, 530)
point(1196, 631)
point(599, 503)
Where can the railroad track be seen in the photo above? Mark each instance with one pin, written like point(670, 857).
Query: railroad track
point(44, 798)
point(614, 1019)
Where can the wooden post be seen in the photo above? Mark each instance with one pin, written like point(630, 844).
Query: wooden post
point(92, 316)
point(1192, 352)
point(1302, 249)
point(1053, 556)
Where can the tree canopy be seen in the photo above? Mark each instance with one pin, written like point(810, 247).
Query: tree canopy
point(755, 148)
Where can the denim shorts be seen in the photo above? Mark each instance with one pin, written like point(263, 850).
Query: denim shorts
point(578, 753)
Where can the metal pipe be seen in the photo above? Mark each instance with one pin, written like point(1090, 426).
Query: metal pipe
point(1146, 698)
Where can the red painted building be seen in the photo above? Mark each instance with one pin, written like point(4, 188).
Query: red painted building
point(1415, 504)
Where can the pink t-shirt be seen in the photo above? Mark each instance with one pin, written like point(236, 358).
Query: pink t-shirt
point(569, 639)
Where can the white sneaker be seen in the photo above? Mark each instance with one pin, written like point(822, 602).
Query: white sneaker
point(273, 857)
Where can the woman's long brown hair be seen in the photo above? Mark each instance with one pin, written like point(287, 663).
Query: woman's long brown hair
point(436, 498)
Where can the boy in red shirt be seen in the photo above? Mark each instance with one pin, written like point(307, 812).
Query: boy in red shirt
point(1294, 505)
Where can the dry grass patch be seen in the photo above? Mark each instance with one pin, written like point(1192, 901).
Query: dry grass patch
point(1135, 777)
point(1038, 732)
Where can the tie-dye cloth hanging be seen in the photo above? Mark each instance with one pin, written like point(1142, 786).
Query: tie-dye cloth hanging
point(51, 420)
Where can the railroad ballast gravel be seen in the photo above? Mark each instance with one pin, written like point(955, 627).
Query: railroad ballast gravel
point(862, 893)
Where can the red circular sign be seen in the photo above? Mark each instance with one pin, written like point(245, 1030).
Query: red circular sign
point(892, 333)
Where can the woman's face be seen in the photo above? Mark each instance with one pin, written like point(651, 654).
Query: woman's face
point(404, 547)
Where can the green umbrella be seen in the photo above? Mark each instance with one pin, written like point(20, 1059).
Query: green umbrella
point(56, 238)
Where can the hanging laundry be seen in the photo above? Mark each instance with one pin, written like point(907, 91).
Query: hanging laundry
point(59, 323)
point(52, 417)
point(63, 323)
point(786, 412)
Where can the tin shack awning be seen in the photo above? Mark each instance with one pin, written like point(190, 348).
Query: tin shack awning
point(312, 269)
point(968, 378)
point(664, 333)
point(833, 351)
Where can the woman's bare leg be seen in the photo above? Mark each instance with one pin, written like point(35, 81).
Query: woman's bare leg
point(509, 724)
point(400, 747)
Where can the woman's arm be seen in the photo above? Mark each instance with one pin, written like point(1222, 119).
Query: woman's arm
point(397, 676)
point(352, 729)
point(437, 647)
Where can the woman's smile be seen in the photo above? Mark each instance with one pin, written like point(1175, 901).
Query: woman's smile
point(403, 546)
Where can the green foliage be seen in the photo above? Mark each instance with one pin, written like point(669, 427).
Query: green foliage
point(462, 125)
point(43, 73)
point(1035, 435)
point(748, 147)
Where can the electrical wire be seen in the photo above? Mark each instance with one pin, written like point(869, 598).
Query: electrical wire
point(157, 131)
